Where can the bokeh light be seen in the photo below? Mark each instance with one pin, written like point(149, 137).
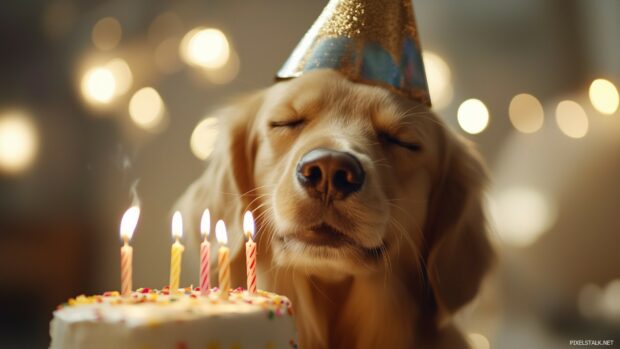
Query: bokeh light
point(98, 85)
point(18, 142)
point(204, 137)
point(205, 47)
point(107, 33)
point(611, 299)
point(473, 116)
point(227, 73)
point(123, 78)
point(146, 108)
point(526, 113)
point(439, 79)
point(522, 214)
point(479, 341)
point(604, 96)
point(572, 119)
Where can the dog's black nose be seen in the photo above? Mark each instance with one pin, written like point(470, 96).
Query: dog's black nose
point(330, 174)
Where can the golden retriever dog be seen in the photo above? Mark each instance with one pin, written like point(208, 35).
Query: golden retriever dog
point(368, 210)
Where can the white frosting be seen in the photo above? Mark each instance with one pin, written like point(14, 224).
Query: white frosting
point(155, 320)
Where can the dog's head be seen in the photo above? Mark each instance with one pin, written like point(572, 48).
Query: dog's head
point(349, 179)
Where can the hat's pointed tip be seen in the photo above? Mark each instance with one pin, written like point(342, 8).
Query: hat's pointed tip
point(373, 42)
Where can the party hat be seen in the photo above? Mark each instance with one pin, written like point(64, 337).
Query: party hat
point(374, 42)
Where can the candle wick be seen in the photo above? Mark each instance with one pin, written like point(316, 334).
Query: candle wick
point(125, 240)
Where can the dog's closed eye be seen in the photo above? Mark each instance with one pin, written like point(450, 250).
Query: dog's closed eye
point(292, 123)
point(393, 140)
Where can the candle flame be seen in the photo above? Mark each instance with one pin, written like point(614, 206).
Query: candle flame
point(248, 224)
point(177, 225)
point(129, 222)
point(220, 232)
point(205, 224)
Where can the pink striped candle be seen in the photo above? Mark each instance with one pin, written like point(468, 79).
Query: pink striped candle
point(205, 247)
point(128, 225)
point(250, 251)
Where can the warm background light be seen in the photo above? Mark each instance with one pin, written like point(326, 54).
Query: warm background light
point(98, 85)
point(18, 142)
point(439, 79)
point(572, 119)
point(146, 108)
point(604, 96)
point(521, 215)
point(205, 47)
point(204, 137)
point(479, 341)
point(526, 113)
point(123, 78)
point(227, 73)
point(107, 33)
point(473, 116)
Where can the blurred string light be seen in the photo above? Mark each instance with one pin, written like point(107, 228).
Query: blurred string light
point(479, 341)
point(146, 108)
point(611, 300)
point(98, 85)
point(204, 137)
point(205, 47)
point(521, 215)
point(604, 96)
point(227, 73)
point(107, 33)
point(439, 79)
point(123, 78)
point(101, 84)
point(526, 113)
point(18, 142)
point(571, 119)
point(473, 116)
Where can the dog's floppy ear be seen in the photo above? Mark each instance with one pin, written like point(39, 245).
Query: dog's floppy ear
point(458, 250)
point(228, 176)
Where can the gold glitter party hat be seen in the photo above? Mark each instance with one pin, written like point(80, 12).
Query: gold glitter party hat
point(370, 41)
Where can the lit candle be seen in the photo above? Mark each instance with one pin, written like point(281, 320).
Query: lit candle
point(250, 251)
point(177, 252)
point(222, 259)
point(128, 225)
point(205, 229)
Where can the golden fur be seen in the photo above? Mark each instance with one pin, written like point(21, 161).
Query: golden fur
point(418, 211)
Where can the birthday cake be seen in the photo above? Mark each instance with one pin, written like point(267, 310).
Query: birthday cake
point(155, 319)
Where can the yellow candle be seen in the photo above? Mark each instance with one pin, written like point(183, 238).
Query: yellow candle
point(128, 225)
point(176, 253)
point(223, 260)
